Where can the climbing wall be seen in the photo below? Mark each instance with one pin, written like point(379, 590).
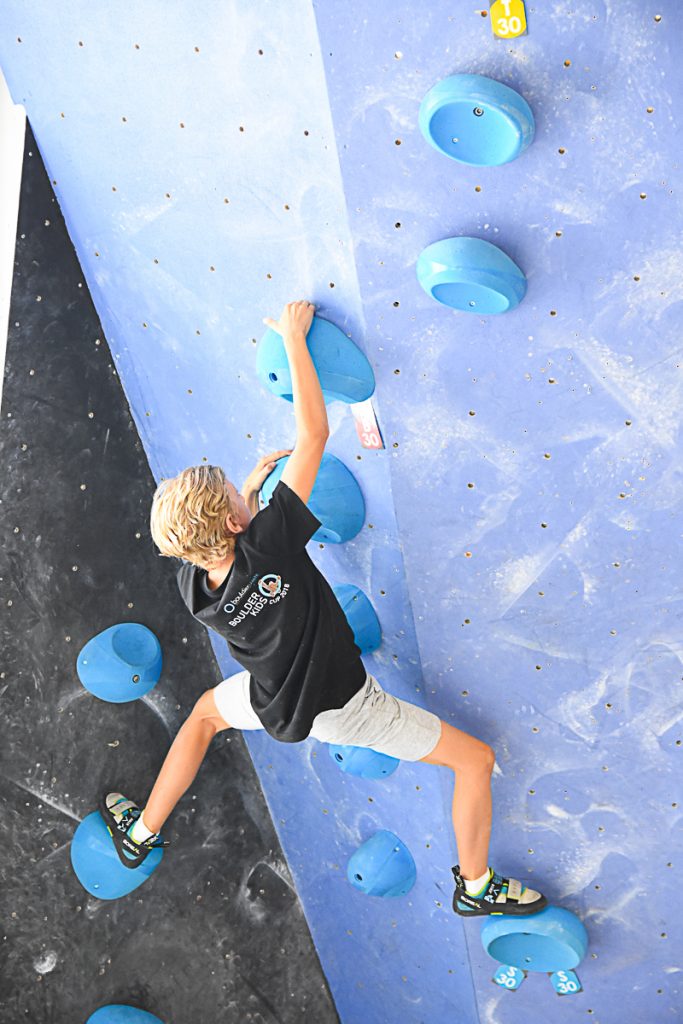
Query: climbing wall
point(522, 522)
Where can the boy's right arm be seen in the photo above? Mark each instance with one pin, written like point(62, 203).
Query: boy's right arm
point(312, 428)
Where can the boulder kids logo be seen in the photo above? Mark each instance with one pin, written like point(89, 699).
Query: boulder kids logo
point(271, 589)
point(270, 585)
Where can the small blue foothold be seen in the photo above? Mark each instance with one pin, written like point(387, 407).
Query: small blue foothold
point(363, 762)
point(343, 370)
point(476, 120)
point(121, 663)
point(117, 1013)
point(361, 616)
point(97, 865)
point(383, 866)
point(472, 275)
point(552, 940)
point(336, 499)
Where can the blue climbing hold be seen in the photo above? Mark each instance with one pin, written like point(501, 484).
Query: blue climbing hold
point(552, 940)
point(361, 616)
point(343, 370)
point(336, 499)
point(117, 1013)
point(471, 275)
point(383, 866)
point(121, 663)
point(97, 865)
point(476, 120)
point(361, 761)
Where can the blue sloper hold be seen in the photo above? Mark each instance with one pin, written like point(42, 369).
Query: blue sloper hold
point(361, 616)
point(343, 370)
point(117, 1013)
point(476, 120)
point(383, 866)
point(97, 865)
point(552, 940)
point(121, 663)
point(471, 275)
point(361, 761)
point(336, 499)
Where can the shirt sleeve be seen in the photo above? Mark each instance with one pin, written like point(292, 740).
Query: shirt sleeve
point(285, 524)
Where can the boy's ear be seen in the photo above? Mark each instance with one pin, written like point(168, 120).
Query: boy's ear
point(233, 525)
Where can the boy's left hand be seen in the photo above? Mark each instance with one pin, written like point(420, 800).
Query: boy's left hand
point(263, 468)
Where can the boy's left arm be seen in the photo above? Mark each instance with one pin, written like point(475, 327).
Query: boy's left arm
point(254, 482)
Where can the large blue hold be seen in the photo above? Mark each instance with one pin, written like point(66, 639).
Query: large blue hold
point(471, 275)
point(97, 866)
point(383, 866)
point(336, 499)
point(361, 616)
point(363, 762)
point(117, 1013)
point(552, 940)
point(120, 664)
point(343, 370)
point(476, 120)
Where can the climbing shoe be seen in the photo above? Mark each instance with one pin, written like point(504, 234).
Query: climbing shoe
point(119, 815)
point(498, 896)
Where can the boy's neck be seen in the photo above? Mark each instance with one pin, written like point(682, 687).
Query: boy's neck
point(219, 573)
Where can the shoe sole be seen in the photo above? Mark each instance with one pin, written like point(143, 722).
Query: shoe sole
point(532, 908)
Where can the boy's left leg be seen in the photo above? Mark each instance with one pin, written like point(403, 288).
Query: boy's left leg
point(472, 761)
point(376, 719)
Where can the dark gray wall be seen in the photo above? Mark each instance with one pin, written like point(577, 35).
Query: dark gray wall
point(217, 932)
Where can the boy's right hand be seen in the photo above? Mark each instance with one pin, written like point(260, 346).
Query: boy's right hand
point(296, 318)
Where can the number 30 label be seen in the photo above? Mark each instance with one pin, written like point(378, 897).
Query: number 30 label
point(508, 18)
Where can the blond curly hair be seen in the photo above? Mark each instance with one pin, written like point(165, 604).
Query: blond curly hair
point(188, 517)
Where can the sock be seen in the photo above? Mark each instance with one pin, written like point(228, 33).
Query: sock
point(475, 886)
point(139, 831)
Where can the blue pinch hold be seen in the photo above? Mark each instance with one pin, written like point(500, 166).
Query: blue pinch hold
point(471, 275)
point(363, 762)
point(476, 120)
point(552, 940)
point(336, 499)
point(343, 370)
point(361, 616)
point(382, 866)
point(121, 663)
point(97, 865)
point(117, 1013)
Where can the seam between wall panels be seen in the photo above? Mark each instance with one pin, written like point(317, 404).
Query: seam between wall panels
point(376, 399)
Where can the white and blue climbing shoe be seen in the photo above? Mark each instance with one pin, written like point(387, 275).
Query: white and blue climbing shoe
point(120, 814)
point(497, 896)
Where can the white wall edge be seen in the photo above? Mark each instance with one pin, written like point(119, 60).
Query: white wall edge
point(12, 132)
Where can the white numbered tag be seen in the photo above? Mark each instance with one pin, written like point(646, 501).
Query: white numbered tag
point(366, 424)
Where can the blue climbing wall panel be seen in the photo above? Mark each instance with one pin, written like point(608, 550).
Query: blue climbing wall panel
point(523, 522)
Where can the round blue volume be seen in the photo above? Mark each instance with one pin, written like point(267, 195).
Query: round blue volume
point(336, 499)
point(471, 275)
point(121, 663)
point(476, 120)
point(343, 370)
point(552, 940)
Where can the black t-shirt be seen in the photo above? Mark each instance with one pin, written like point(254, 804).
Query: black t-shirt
point(281, 620)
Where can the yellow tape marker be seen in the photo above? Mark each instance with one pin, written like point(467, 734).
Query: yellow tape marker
point(508, 18)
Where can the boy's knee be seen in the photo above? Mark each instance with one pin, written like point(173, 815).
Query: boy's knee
point(204, 706)
point(489, 757)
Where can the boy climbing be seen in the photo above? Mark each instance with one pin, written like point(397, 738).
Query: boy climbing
point(247, 575)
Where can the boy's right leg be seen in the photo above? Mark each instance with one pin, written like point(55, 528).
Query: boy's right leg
point(183, 760)
point(225, 706)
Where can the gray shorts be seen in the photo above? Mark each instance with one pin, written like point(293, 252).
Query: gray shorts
point(372, 718)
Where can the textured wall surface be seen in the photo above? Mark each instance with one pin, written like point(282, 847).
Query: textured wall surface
point(213, 165)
